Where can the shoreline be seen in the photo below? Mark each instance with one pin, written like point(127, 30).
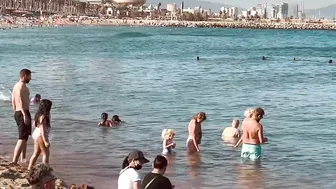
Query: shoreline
point(267, 25)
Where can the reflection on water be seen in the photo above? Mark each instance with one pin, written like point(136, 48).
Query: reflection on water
point(194, 162)
point(250, 175)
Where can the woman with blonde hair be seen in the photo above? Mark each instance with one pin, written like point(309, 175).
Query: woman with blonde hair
point(195, 132)
point(168, 144)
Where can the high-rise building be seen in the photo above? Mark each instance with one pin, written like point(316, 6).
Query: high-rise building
point(233, 12)
point(283, 11)
point(274, 11)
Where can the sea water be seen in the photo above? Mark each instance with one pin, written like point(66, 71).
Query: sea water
point(151, 79)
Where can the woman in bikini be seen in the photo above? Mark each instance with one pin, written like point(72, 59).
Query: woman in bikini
point(195, 132)
point(41, 133)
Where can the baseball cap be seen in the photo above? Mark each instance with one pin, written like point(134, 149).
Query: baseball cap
point(138, 155)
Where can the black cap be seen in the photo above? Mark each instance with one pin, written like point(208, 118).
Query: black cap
point(138, 155)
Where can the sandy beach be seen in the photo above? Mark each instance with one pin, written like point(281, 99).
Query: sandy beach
point(265, 24)
point(15, 176)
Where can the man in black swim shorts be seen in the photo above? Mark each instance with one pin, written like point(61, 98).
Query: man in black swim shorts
point(20, 103)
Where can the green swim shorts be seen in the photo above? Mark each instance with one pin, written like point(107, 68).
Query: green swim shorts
point(251, 151)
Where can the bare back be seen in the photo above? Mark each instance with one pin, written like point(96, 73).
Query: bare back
point(20, 97)
point(252, 132)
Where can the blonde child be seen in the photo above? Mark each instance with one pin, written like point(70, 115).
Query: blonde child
point(168, 144)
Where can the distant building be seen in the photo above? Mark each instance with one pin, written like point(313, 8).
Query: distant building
point(233, 12)
point(283, 11)
point(92, 2)
point(171, 7)
point(245, 14)
point(274, 11)
point(295, 11)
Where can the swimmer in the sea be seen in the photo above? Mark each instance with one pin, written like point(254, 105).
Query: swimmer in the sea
point(195, 132)
point(232, 132)
point(253, 136)
point(36, 99)
point(263, 58)
point(197, 58)
point(105, 122)
point(115, 120)
point(168, 144)
point(330, 61)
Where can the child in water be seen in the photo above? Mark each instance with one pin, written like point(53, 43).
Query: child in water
point(116, 120)
point(105, 122)
point(168, 144)
point(36, 99)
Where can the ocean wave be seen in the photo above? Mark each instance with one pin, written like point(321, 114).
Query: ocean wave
point(5, 94)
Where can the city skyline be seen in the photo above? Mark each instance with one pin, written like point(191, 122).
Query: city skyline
point(309, 4)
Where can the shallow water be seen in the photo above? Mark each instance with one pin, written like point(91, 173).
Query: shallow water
point(150, 78)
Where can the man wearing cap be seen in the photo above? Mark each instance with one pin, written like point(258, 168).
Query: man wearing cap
point(129, 178)
point(155, 179)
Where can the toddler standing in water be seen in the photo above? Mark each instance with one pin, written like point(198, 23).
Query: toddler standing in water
point(168, 144)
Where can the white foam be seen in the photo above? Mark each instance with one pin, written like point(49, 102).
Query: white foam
point(5, 94)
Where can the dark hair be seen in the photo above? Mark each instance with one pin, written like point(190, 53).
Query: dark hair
point(116, 118)
point(201, 116)
point(160, 162)
point(25, 72)
point(259, 112)
point(36, 174)
point(37, 96)
point(125, 163)
point(104, 116)
point(43, 110)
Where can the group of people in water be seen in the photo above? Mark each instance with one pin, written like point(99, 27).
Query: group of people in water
point(105, 122)
point(251, 137)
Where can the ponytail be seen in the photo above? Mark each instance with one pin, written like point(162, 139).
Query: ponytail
point(125, 163)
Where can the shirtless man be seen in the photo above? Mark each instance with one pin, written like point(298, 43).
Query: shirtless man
point(20, 103)
point(231, 134)
point(195, 132)
point(253, 136)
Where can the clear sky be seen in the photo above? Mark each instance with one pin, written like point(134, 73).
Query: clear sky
point(309, 4)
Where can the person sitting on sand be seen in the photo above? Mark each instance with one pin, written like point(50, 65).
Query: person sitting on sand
point(232, 132)
point(195, 132)
point(41, 133)
point(155, 179)
point(41, 177)
point(116, 120)
point(168, 144)
point(36, 99)
point(253, 136)
point(105, 122)
point(129, 178)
